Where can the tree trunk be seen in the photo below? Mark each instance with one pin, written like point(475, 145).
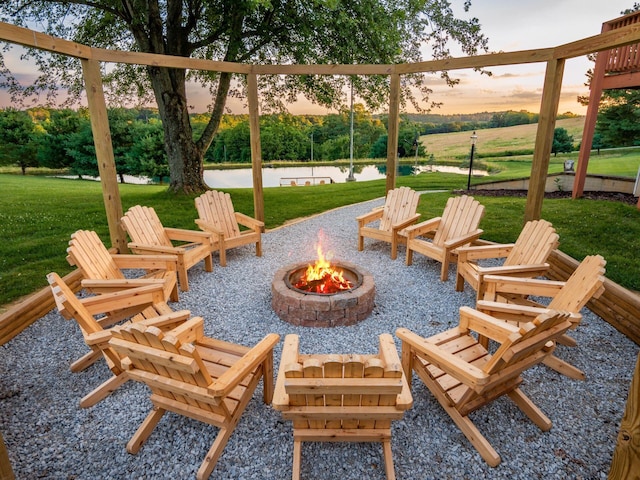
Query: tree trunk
point(184, 157)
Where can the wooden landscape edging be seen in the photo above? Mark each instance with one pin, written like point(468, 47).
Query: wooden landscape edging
point(617, 305)
point(23, 314)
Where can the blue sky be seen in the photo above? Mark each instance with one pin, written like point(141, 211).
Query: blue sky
point(510, 25)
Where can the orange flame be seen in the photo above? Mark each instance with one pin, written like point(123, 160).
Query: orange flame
point(322, 277)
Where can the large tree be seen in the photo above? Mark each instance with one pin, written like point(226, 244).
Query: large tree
point(247, 31)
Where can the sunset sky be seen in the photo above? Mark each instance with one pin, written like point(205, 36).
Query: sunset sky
point(510, 26)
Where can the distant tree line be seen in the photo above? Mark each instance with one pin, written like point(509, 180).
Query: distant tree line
point(62, 139)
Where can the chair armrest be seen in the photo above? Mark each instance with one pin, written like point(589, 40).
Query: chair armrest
point(116, 284)
point(248, 221)
point(374, 214)
point(122, 299)
point(147, 262)
point(185, 235)
point(244, 366)
point(463, 239)
point(169, 320)
point(484, 251)
point(209, 227)
point(486, 325)
point(517, 313)
point(405, 223)
point(531, 270)
point(467, 373)
point(495, 284)
point(289, 356)
point(98, 339)
point(421, 228)
point(189, 330)
point(153, 249)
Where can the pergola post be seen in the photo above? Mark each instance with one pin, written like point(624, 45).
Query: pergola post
point(544, 138)
point(256, 151)
point(104, 152)
point(392, 131)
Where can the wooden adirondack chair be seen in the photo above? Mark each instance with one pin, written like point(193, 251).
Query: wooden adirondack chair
point(217, 216)
point(508, 298)
point(344, 398)
point(192, 375)
point(102, 270)
point(457, 227)
point(141, 302)
point(526, 257)
point(150, 237)
point(398, 212)
point(464, 376)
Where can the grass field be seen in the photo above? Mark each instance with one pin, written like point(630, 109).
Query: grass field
point(38, 214)
point(491, 141)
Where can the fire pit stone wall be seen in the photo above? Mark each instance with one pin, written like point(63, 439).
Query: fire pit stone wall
point(314, 310)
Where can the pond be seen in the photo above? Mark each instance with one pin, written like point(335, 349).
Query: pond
point(288, 176)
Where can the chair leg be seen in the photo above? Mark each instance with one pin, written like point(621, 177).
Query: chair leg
point(174, 296)
point(145, 429)
point(564, 368)
point(102, 391)
point(208, 263)
point(86, 360)
point(394, 247)
point(183, 278)
point(210, 460)
point(360, 243)
point(297, 459)
point(388, 460)
point(466, 426)
point(530, 410)
point(459, 283)
point(223, 256)
point(258, 248)
point(444, 269)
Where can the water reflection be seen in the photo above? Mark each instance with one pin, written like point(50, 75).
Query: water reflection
point(286, 176)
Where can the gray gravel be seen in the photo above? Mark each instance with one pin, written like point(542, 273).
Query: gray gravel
point(49, 436)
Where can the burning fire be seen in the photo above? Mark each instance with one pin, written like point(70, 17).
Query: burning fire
point(322, 277)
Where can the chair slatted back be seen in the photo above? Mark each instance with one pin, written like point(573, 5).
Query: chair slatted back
point(531, 338)
point(87, 252)
point(535, 243)
point(216, 208)
point(400, 204)
point(345, 391)
point(461, 216)
point(173, 370)
point(585, 282)
point(144, 227)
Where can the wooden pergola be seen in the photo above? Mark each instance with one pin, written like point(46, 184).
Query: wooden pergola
point(616, 68)
point(617, 305)
point(91, 58)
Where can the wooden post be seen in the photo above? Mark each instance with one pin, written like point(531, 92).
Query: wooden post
point(6, 473)
point(544, 138)
point(626, 457)
point(256, 151)
point(104, 152)
point(393, 127)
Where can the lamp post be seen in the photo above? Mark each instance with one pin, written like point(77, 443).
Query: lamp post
point(474, 139)
point(351, 178)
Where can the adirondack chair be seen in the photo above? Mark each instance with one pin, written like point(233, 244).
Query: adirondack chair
point(141, 302)
point(347, 398)
point(148, 236)
point(217, 216)
point(526, 257)
point(508, 298)
point(192, 375)
point(102, 270)
point(398, 212)
point(457, 227)
point(463, 376)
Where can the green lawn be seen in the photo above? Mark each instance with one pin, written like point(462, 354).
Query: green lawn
point(38, 214)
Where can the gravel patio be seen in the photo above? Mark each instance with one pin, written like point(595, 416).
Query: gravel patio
point(49, 436)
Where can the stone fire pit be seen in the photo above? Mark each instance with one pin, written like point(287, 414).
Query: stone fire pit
point(323, 310)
